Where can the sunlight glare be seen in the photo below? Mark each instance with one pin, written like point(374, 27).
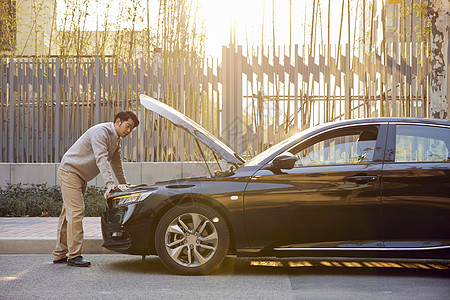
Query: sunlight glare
point(222, 16)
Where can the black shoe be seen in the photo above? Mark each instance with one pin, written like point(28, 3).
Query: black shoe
point(78, 262)
point(60, 261)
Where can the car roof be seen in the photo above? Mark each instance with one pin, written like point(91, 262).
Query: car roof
point(385, 120)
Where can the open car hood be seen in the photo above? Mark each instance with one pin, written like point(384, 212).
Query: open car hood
point(198, 132)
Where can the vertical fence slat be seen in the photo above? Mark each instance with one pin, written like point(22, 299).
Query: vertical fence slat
point(347, 82)
point(20, 115)
point(12, 120)
point(64, 104)
point(296, 88)
point(58, 124)
point(32, 103)
point(394, 79)
point(419, 86)
point(46, 115)
point(97, 91)
point(3, 103)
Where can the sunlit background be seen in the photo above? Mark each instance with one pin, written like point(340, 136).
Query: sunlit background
point(254, 22)
point(198, 28)
point(247, 22)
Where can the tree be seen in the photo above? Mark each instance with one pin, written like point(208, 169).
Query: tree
point(8, 25)
point(438, 12)
point(180, 32)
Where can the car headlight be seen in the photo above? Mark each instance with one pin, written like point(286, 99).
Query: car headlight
point(131, 198)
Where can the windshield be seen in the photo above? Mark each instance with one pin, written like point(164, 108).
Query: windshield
point(257, 160)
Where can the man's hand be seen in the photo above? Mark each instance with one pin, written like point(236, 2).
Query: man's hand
point(109, 189)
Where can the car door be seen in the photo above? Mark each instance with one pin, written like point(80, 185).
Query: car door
point(331, 198)
point(416, 186)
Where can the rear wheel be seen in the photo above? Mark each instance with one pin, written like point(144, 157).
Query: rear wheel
point(192, 239)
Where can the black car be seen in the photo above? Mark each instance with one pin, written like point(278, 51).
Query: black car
point(366, 187)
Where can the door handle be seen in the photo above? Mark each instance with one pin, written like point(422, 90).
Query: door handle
point(361, 179)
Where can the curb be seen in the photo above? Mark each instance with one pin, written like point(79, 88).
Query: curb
point(46, 246)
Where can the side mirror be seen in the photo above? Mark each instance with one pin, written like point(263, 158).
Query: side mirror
point(285, 160)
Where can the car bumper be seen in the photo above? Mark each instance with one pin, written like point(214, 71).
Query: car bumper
point(123, 232)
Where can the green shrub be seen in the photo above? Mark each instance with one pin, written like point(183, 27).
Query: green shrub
point(94, 201)
point(40, 200)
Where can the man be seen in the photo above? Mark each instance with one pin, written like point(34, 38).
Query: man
point(98, 150)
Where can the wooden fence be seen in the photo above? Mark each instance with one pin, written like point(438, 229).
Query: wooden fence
point(250, 100)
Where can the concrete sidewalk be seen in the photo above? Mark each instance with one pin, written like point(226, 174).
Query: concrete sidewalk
point(38, 235)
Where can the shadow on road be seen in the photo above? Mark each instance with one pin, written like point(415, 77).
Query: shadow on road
point(133, 264)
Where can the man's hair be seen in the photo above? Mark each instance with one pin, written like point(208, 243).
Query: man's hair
point(125, 115)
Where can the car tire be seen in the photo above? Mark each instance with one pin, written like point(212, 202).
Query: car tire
point(192, 239)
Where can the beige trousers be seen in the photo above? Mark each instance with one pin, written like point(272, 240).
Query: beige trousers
point(70, 225)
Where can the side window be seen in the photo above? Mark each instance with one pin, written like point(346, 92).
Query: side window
point(418, 143)
point(356, 145)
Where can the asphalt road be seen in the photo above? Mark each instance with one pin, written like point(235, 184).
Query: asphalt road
point(128, 277)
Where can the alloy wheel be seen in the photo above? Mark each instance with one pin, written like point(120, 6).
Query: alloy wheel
point(191, 239)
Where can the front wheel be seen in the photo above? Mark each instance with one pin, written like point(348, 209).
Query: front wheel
point(192, 239)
